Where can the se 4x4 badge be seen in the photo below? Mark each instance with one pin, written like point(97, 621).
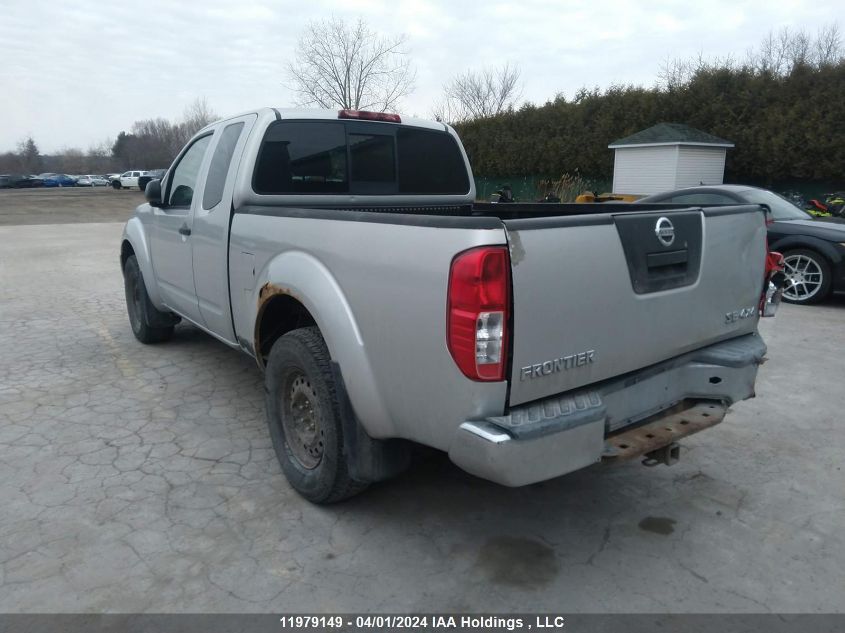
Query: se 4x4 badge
point(738, 315)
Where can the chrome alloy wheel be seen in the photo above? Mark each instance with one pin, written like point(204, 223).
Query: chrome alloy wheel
point(804, 277)
point(301, 417)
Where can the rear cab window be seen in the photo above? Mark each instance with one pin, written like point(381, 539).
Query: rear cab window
point(359, 158)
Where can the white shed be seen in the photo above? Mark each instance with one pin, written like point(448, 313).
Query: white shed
point(667, 156)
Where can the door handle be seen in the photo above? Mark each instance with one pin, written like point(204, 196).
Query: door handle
point(184, 230)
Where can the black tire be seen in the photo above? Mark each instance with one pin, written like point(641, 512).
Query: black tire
point(115, 185)
point(299, 377)
point(149, 325)
point(814, 261)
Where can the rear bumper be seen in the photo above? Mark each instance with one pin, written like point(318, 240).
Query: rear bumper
point(554, 436)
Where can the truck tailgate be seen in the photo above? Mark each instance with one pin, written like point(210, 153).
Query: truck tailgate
point(597, 296)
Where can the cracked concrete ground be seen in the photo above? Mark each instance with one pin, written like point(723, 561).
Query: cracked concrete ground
point(141, 479)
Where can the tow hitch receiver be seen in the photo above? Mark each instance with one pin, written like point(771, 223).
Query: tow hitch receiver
point(656, 438)
point(668, 455)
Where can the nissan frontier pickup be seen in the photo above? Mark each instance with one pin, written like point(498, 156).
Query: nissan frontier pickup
point(346, 253)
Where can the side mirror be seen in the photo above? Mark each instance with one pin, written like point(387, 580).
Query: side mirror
point(153, 193)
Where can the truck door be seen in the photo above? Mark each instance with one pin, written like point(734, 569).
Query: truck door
point(170, 241)
point(209, 235)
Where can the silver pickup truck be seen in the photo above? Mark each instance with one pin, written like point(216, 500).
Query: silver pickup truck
point(345, 252)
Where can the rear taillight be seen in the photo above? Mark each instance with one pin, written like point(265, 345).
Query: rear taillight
point(478, 310)
point(774, 283)
point(364, 115)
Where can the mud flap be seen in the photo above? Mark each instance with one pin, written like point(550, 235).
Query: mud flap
point(370, 460)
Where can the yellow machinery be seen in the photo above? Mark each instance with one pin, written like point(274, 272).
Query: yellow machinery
point(589, 196)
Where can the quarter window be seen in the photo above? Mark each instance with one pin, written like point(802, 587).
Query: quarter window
point(303, 157)
point(430, 162)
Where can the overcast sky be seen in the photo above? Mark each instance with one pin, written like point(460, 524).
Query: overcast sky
point(75, 73)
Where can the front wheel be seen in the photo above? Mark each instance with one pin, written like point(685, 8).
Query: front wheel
point(115, 184)
point(808, 276)
point(149, 325)
point(304, 418)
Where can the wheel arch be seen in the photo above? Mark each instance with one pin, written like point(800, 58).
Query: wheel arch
point(296, 290)
point(807, 242)
point(135, 242)
point(278, 314)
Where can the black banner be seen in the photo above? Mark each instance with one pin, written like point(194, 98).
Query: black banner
point(439, 623)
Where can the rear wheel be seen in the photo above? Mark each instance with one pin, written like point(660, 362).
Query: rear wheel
point(149, 325)
point(808, 276)
point(304, 418)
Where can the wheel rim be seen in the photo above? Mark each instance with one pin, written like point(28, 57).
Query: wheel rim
point(805, 277)
point(301, 416)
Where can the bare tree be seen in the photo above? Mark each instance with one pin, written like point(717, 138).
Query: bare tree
point(100, 157)
point(9, 162)
point(197, 115)
point(345, 65)
point(828, 45)
point(154, 142)
point(800, 48)
point(675, 72)
point(71, 160)
point(480, 94)
point(781, 52)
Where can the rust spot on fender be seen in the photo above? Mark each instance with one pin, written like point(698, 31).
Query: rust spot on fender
point(267, 292)
point(270, 290)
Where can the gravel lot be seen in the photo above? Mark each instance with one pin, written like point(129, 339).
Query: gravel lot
point(67, 205)
point(141, 479)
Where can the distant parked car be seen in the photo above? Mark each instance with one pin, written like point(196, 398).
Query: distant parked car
point(18, 181)
point(91, 181)
point(128, 179)
point(813, 248)
point(57, 180)
point(153, 174)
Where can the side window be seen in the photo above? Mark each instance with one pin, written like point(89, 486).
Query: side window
point(186, 172)
point(219, 168)
point(702, 198)
point(302, 157)
point(126, 174)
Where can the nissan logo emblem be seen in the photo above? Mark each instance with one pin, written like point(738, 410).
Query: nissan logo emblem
point(664, 231)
